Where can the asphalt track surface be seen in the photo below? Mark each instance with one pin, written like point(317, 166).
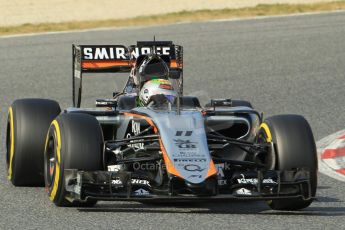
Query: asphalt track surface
point(283, 65)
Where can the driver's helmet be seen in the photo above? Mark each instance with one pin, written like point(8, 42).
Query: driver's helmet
point(156, 87)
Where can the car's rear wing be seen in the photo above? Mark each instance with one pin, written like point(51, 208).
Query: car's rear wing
point(119, 59)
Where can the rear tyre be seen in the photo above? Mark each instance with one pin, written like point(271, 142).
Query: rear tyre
point(189, 101)
point(235, 103)
point(74, 141)
point(27, 126)
point(295, 148)
point(127, 102)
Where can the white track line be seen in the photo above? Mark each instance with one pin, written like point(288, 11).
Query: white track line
point(187, 22)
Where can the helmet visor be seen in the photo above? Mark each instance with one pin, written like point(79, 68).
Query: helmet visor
point(170, 98)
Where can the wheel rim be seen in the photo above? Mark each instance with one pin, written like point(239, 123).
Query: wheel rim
point(49, 163)
point(263, 158)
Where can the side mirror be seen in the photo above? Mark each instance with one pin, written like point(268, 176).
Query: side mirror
point(174, 74)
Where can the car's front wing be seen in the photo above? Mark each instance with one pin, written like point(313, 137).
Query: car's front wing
point(105, 185)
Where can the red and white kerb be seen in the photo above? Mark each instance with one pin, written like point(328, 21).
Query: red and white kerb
point(334, 155)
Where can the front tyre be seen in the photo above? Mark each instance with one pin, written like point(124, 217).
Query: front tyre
point(295, 148)
point(74, 141)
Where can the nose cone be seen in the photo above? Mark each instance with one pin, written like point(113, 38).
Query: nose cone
point(207, 187)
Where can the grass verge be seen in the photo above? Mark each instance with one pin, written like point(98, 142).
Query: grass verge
point(183, 16)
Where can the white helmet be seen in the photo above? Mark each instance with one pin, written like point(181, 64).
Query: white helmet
point(157, 87)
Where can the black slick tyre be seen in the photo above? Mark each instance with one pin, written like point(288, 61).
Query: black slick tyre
point(27, 126)
point(295, 148)
point(74, 141)
point(235, 103)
